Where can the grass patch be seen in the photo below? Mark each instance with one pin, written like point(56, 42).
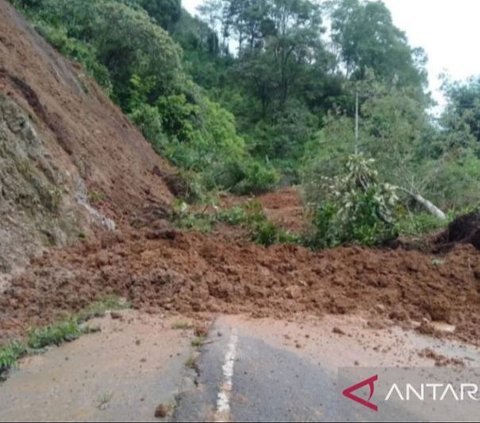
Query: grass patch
point(198, 342)
point(182, 325)
point(196, 222)
point(9, 355)
point(250, 216)
point(66, 330)
point(95, 197)
point(55, 334)
point(262, 231)
point(100, 308)
point(420, 224)
point(191, 363)
point(103, 400)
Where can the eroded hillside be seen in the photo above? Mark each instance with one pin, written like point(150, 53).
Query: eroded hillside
point(69, 160)
point(71, 163)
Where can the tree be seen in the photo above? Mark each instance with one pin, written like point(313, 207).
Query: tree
point(463, 108)
point(366, 38)
point(165, 12)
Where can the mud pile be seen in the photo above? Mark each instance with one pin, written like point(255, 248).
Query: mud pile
point(69, 160)
point(463, 230)
point(190, 273)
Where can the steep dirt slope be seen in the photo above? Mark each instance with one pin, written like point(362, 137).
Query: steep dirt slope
point(65, 151)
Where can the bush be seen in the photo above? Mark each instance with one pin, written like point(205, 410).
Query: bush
point(252, 217)
point(54, 334)
point(9, 355)
point(420, 224)
point(352, 208)
point(244, 176)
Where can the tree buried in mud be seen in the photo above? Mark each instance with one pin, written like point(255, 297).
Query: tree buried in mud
point(353, 207)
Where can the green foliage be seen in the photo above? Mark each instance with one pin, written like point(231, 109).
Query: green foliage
point(195, 222)
point(9, 355)
point(100, 307)
point(252, 217)
point(418, 224)
point(140, 66)
point(81, 52)
point(165, 12)
point(283, 92)
point(56, 334)
point(463, 111)
point(452, 181)
point(245, 176)
point(367, 39)
point(353, 207)
point(233, 216)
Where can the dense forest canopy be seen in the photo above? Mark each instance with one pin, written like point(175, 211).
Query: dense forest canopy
point(256, 93)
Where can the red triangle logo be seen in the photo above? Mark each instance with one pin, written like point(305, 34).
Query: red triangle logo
point(370, 382)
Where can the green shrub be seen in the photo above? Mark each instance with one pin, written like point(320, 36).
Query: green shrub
point(325, 233)
point(233, 216)
point(243, 176)
point(419, 224)
point(352, 208)
point(252, 217)
point(256, 179)
point(54, 334)
point(10, 354)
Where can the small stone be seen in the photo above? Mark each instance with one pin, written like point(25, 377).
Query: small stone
point(338, 331)
point(293, 292)
point(161, 411)
point(116, 315)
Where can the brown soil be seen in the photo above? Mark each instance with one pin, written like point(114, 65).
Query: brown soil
point(63, 144)
point(465, 229)
point(72, 111)
point(440, 359)
point(190, 273)
point(158, 268)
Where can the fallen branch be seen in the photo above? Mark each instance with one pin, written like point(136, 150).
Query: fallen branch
point(428, 205)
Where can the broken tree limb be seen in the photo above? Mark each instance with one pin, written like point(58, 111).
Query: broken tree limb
point(427, 205)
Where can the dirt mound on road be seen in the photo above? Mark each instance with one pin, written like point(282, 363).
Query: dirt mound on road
point(69, 160)
point(190, 273)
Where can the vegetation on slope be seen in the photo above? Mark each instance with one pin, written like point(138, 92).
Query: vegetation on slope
point(257, 91)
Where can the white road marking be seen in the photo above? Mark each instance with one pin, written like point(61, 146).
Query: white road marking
point(223, 399)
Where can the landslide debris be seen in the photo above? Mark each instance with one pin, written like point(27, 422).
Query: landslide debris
point(70, 162)
point(463, 230)
point(192, 273)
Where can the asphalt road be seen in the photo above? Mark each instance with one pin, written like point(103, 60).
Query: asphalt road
point(267, 383)
point(248, 370)
point(245, 375)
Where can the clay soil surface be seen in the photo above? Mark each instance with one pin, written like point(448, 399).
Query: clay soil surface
point(192, 273)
